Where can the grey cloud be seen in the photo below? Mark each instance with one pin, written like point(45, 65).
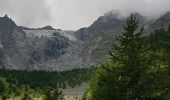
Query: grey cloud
point(74, 14)
point(29, 13)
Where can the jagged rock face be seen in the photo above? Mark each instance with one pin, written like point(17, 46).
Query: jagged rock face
point(102, 24)
point(111, 21)
point(13, 45)
point(49, 47)
point(6, 28)
point(98, 38)
point(1, 58)
point(161, 22)
point(17, 51)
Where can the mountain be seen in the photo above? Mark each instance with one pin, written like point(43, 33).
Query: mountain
point(19, 51)
point(99, 37)
point(54, 49)
point(48, 27)
point(50, 45)
point(161, 22)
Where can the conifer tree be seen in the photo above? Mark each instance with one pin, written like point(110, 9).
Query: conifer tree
point(133, 72)
point(168, 28)
point(4, 97)
point(54, 94)
point(48, 94)
point(57, 94)
point(2, 87)
point(26, 97)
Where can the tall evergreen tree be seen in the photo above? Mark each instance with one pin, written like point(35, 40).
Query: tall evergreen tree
point(26, 97)
point(168, 28)
point(48, 94)
point(133, 72)
point(2, 87)
point(54, 94)
point(57, 94)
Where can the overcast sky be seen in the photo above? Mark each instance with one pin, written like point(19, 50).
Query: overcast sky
point(74, 14)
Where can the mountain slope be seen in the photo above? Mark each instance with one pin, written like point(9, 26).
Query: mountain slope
point(14, 45)
point(98, 38)
point(18, 51)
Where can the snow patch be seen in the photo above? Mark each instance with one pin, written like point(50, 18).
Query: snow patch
point(49, 33)
point(1, 46)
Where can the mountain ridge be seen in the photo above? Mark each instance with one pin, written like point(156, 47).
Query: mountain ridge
point(54, 49)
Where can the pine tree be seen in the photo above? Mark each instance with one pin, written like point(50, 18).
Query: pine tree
point(2, 87)
point(48, 94)
point(168, 28)
point(54, 94)
point(26, 97)
point(4, 97)
point(57, 95)
point(133, 72)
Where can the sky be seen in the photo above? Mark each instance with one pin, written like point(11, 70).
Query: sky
point(74, 14)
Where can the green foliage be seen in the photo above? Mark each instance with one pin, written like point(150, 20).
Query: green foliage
point(4, 97)
point(54, 94)
point(43, 79)
point(33, 84)
point(136, 71)
point(2, 87)
point(26, 97)
point(48, 95)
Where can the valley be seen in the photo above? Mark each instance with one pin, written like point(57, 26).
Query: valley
point(41, 63)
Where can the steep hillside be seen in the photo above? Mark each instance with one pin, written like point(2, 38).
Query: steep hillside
point(15, 49)
point(99, 37)
point(51, 45)
point(19, 51)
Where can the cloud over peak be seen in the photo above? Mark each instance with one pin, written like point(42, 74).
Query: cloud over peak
point(74, 14)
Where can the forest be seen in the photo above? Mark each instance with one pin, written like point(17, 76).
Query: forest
point(17, 83)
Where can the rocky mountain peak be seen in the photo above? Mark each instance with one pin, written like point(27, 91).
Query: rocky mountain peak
point(7, 27)
point(161, 22)
point(106, 22)
point(6, 23)
point(48, 27)
point(166, 16)
point(114, 14)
